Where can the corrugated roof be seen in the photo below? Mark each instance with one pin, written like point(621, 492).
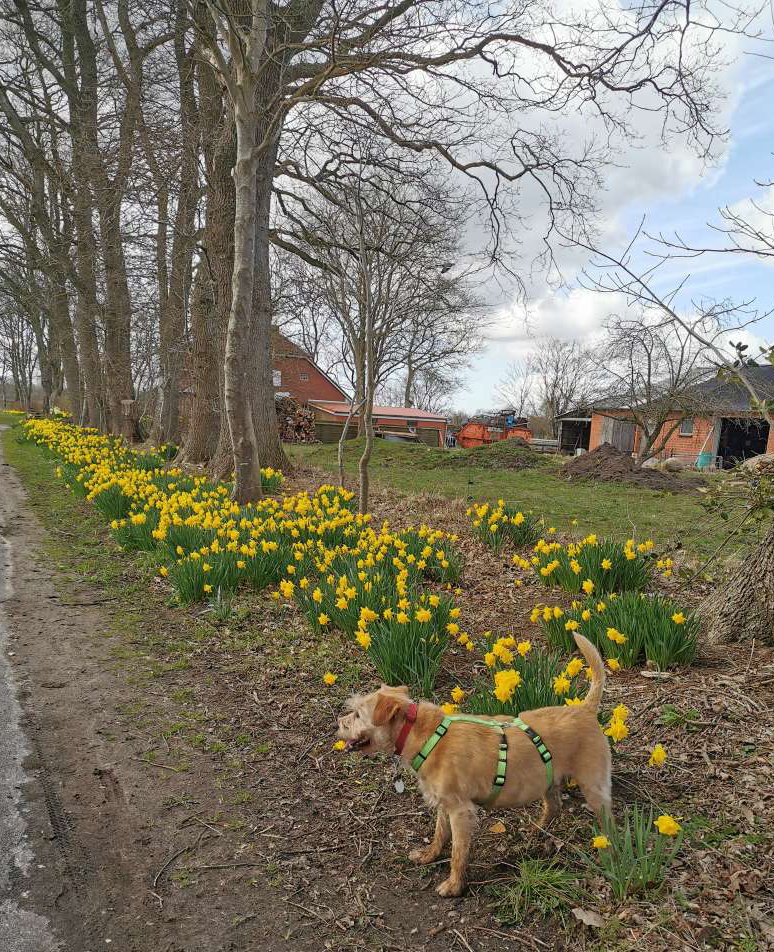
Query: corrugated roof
point(341, 408)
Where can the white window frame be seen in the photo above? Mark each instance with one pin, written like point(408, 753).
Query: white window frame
point(687, 421)
point(276, 378)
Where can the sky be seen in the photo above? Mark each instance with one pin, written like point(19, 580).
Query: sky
point(675, 192)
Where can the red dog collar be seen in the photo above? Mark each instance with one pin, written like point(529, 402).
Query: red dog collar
point(411, 716)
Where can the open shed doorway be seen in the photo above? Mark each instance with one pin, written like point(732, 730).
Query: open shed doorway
point(740, 439)
point(574, 434)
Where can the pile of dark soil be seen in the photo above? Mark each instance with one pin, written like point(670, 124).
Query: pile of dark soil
point(606, 464)
point(510, 454)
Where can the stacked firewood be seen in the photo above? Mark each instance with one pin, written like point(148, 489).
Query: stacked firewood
point(296, 423)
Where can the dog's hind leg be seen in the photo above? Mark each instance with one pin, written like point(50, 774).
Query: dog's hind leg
point(596, 792)
point(552, 805)
point(442, 833)
point(463, 822)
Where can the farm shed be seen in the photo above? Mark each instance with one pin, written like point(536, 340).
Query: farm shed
point(492, 428)
point(727, 428)
point(404, 424)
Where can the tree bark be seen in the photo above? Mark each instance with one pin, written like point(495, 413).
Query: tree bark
point(61, 324)
point(207, 430)
point(237, 376)
point(369, 379)
point(742, 610)
point(108, 196)
point(269, 446)
point(173, 309)
point(203, 424)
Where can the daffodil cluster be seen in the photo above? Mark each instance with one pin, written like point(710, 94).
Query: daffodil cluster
point(617, 728)
point(521, 677)
point(625, 628)
point(502, 523)
point(590, 565)
point(342, 571)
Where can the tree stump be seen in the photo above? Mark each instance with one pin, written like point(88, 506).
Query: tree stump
point(743, 608)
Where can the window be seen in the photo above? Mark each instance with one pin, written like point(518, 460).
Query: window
point(276, 377)
point(303, 377)
point(686, 427)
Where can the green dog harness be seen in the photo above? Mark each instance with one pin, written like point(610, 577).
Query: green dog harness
point(502, 757)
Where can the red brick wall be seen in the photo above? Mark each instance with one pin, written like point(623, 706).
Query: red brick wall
point(316, 387)
point(701, 440)
point(676, 445)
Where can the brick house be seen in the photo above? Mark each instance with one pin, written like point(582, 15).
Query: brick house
point(729, 430)
point(297, 375)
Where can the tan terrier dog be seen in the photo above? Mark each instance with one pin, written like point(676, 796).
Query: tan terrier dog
point(459, 771)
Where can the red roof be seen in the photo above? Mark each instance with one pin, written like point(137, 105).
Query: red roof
point(341, 408)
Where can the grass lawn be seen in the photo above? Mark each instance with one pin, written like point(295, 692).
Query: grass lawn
point(609, 509)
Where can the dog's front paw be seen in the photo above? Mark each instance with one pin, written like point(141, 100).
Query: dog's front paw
point(426, 855)
point(451, 887)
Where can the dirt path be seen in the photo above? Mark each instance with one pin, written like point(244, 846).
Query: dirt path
point(71, 862)
point(21, 929)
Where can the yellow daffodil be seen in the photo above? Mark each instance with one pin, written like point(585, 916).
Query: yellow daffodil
point(667, 825)
point(658, 756)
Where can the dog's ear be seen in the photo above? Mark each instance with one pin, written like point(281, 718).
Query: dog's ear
point(385, 709)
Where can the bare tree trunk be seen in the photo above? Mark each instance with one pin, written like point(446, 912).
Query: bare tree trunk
point(368, 383)
point(359, 359)
point(353, 409)
point(409, 388)
point(44, 361)
point(219, 150)
point(742, 610)
point(270, 449)
point(63, 331)
point(86, 305)
point(203, 415)
point(237, 376)
point(172, 314)
point(117, 318)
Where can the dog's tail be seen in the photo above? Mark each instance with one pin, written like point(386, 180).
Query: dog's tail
point(594, 661)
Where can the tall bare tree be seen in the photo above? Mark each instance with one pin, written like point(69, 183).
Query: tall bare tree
point(651, 372)
point(555, 376)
